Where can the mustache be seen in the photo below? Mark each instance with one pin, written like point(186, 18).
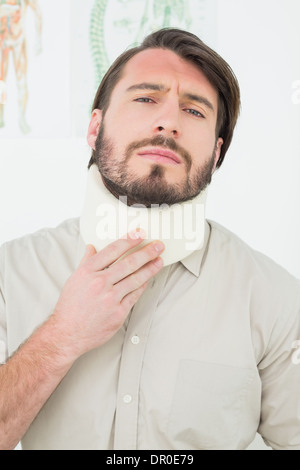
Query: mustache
point(160, 141)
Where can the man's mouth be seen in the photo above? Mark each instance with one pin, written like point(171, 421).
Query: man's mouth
point(160, 155)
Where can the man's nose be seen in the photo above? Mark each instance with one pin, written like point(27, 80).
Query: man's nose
point(168, 122)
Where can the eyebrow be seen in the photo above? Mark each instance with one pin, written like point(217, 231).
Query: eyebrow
point(157, 87)
point(147, 86)
point(199, 99)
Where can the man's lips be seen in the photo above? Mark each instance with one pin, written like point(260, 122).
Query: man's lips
point(161, 155)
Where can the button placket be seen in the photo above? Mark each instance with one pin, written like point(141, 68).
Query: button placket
point(131, 366)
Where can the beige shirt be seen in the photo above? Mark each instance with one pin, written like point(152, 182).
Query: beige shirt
point(205, 359)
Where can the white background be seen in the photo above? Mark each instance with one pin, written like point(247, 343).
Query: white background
point(256, 193)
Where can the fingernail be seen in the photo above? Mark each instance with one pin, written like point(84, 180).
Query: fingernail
point(159, 247)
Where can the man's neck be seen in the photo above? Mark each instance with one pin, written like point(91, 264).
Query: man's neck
point(107, 217)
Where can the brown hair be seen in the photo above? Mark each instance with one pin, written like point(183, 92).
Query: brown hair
point(191, 48)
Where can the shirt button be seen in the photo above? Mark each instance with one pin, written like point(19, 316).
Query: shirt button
point(135, 339)
point(127, 398)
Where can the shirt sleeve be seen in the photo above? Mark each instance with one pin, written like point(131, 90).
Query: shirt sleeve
point(280, 377)
point(3, 340)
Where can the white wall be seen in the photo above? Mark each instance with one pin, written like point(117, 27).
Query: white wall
point(256, 193)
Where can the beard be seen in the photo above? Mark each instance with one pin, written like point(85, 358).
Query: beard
point(153, 188)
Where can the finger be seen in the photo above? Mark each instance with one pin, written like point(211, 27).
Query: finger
point(115, 250)
point(131, 299)
point(89, 252)
point(134, 261)
point(137, 279)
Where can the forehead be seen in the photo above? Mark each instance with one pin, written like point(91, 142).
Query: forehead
point(166, 67)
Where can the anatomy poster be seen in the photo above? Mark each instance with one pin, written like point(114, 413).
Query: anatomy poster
point(113, 25)
point(53, 55)
point(34, 68)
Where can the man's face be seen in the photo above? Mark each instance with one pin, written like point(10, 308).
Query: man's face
point(156, 143)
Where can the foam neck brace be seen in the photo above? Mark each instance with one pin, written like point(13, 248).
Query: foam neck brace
point(105, 219)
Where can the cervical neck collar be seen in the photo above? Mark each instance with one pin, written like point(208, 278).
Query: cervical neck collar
point(105, 219)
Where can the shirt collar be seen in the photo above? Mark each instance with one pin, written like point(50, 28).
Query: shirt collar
point(195, 260)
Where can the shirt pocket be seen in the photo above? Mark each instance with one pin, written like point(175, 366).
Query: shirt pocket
point(209, 404)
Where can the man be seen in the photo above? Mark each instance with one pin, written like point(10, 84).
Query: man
point(123, 352)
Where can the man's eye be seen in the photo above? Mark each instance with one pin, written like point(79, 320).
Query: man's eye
point(144, 100)
point(195, 113)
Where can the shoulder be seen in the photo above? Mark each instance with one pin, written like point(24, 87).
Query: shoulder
point(251, 271)
point(68, 228)
point(229, 245)
point(43, 244)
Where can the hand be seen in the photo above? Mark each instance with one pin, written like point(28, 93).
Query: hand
point(99, 295)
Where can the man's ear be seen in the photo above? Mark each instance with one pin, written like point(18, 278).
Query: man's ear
point(93, 128)
point(217, 154)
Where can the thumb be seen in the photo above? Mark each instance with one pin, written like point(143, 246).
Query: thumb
point(89, 252)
